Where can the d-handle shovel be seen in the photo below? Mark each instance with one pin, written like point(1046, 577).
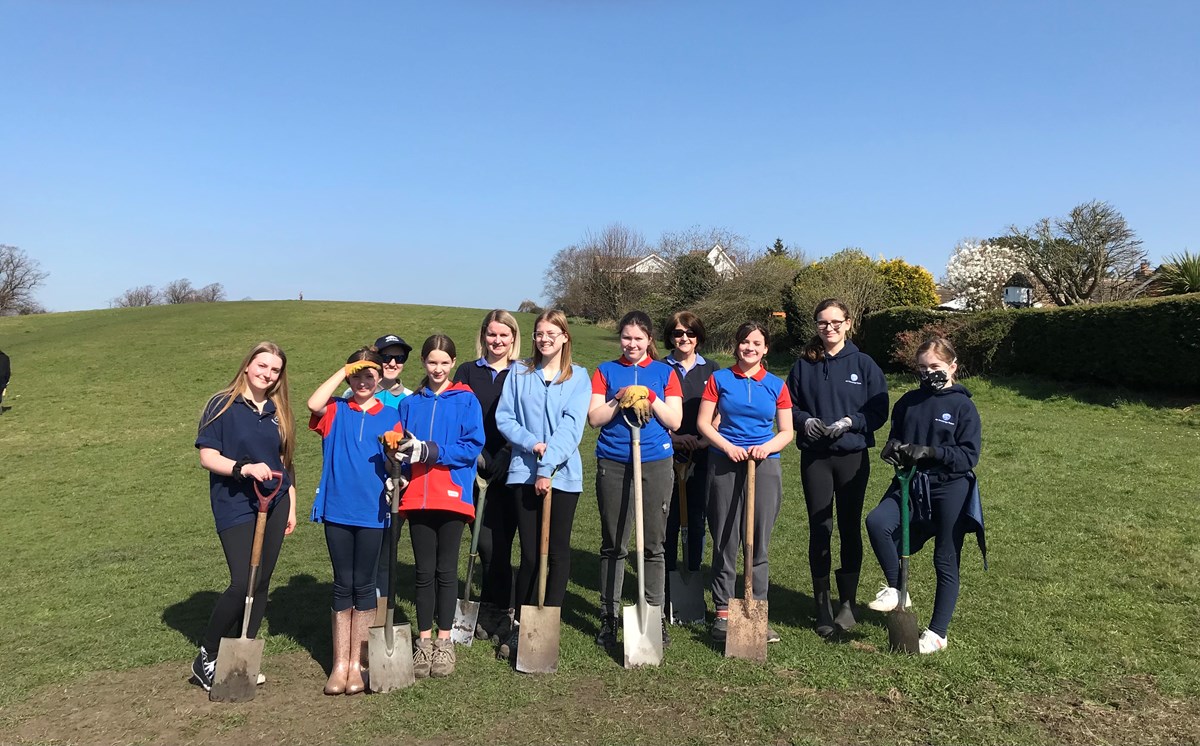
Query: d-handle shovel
point(901, 621)
point(466, 614)
point(389, 648)
point(747, 634)
point(687, 587)
point(641, 623)
point(240, 658)
point(537, 646)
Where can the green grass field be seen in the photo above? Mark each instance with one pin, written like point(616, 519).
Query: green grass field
point(1083, 631)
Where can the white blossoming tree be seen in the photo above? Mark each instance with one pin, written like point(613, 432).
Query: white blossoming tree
point(978, 270)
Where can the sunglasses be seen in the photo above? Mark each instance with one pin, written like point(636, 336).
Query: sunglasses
point(681, 333)
point(400, 357)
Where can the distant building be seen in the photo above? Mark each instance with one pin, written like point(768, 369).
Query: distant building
point(717, 256)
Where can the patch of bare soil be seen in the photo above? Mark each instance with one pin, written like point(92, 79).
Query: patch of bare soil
point(1135, 712)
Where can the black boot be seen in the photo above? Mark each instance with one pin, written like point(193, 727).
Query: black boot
point(666, 637)
point(607, 636)
point(847, 584)
point(824, 609)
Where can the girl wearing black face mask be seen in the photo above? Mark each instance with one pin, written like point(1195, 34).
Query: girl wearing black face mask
point(936, 429)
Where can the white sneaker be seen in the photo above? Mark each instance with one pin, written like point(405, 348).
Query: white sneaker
point(888, 598)
point(262, 679)
point(931, 642)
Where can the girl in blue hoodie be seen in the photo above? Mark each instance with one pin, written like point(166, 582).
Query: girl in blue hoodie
point(543, 408)
point(446, 424)
point(839, 400)
point(936, 428)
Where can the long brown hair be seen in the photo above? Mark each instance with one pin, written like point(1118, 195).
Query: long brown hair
point(642, 321)
point(438, 342)
point(278, 394)
point(559, 319)
point(814, 350)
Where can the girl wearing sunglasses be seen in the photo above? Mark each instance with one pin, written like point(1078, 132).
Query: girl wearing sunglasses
point(839, 399)
point(394, 352)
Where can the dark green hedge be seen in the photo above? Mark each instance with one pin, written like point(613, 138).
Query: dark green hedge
point(1151, 343)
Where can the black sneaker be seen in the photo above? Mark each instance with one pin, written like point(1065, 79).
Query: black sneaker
point(607, 636)
point(508, 648)
point(720, 627)
point(666, 637)
point(203, 669)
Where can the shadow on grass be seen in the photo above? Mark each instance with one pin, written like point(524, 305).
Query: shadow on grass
point(1097, 395)
point(190, 617)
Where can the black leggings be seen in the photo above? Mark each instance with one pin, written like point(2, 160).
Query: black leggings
point(825, 477)
point(436, 535)
point(558, 561)
point(354, 553)
point(495, 545)
point(237, 541)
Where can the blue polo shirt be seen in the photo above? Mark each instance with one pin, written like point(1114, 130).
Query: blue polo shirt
point(747, 405)
point(240, 432)
point(616, 440)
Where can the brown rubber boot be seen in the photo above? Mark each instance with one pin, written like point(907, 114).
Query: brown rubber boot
point(341, 653)
point(360, 623)
point(443, 661)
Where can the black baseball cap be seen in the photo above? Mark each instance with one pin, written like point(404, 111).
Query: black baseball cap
point(391, 340)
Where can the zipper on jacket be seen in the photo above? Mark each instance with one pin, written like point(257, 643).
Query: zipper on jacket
point(432, 412)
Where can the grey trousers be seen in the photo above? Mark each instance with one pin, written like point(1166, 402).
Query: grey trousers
point(614, 495)
point(726, 505)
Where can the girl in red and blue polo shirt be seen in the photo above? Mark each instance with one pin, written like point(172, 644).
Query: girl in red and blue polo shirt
point(352, 502)
point(637, 366)
point(755, 423)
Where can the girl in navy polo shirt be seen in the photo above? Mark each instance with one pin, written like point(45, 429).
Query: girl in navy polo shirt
point(246, 432)
point(935, 427)
point(839, 400)
point(637, 366)
point(755, 422)
point(496, 349)
point(446, 423)
point(352, 503)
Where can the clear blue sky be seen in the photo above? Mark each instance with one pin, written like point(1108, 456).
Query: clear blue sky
point(443, 152)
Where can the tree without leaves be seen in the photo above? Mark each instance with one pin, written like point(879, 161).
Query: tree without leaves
point(20, 276)
point(179, 291)
point(674, 244)
point(210, 293)
point(591, 279)
point(144, 295)
point(1091, 255)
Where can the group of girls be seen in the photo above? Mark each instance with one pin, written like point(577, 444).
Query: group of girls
point(518, 425)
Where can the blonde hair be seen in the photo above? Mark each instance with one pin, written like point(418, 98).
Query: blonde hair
point(278, 394)
point(499, 316)
point(559, 319)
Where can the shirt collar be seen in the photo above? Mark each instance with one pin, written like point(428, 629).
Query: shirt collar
point(374, 408)
point(645, 362)
point(268, 407)
point(670, 359)
point(482, 363)
point(737, 372)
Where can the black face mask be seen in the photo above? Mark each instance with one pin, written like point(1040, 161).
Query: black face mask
point(934, 380)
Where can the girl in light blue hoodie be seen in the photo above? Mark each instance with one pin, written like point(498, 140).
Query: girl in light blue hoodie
point(542, 411)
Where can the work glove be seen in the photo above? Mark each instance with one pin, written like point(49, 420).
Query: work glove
point(839, 428)
point(357, 365)
point(496, 466)
point(891, 452)
point(814, 429)
point(393, 438)
point(637, 399)
point(417, 451)
point(914, 454)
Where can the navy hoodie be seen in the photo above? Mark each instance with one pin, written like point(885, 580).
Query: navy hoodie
point(848, 384)
point(946, 419)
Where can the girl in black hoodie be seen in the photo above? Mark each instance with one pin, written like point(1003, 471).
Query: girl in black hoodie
point(936, 428)
point(839, 400)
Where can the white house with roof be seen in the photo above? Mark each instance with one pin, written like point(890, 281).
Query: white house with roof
point(717, 256)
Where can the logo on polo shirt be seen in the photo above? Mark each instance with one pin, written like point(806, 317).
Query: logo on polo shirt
point(854, 379)
point(944, 419)
point(275, 419)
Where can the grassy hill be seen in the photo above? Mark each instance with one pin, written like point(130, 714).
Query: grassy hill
point(1084, 629)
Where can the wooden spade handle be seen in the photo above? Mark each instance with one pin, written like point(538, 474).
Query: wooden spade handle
point(748, 558)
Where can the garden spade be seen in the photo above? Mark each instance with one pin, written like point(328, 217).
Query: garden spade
point(747, 635)
point(687, 587)
point(537, 646)
point(901, 621)
point(466, 614)
point(641, 623)
point(389, 647)
point(240, 658)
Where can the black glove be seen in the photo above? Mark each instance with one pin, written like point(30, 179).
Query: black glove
point(913, 453)
point(496, 466)
point(891, 452)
